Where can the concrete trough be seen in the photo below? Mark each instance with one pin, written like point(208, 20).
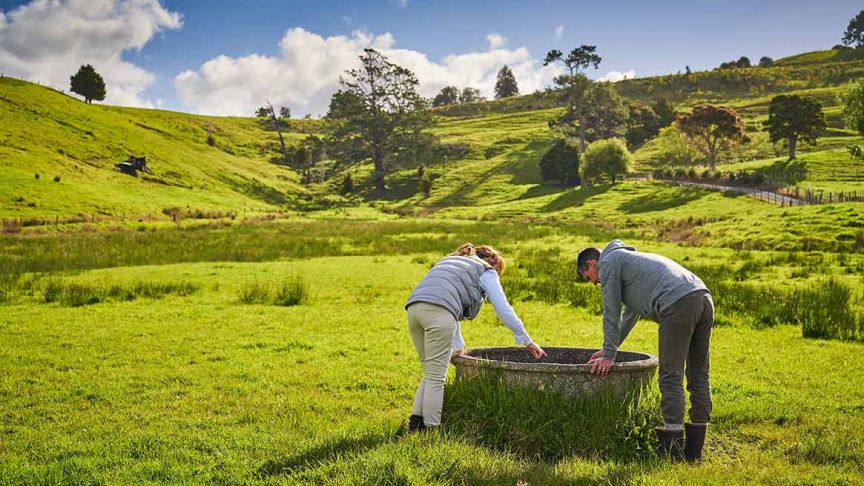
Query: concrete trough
point(565, 370)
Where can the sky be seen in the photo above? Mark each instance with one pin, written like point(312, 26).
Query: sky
point(228, 57)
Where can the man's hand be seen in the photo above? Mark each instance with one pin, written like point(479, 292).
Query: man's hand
point(597, 354)
point(536, 351)
point(600, 366)
point(457, 352)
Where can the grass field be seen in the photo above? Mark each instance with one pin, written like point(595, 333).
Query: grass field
point(219, 322)
point(196, 386)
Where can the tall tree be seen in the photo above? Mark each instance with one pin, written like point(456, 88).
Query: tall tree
point(506, 86)
point(284, 112)
point(581, 95)
point(88, 83)
point(855, 31)
point(449, 95)
point(853, 108)
point(743, 62)
point(766, 61)
point(268, 113)
point(608, 157)
point(470, 95)
point(713, 130)
point(372, 113)
point(579, 58)
point(665, 112)
point(793, 118)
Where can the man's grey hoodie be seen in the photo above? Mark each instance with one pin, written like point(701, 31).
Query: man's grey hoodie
point(645, 283)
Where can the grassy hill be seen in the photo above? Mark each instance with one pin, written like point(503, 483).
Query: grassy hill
point(493, 173)
point(57, 157)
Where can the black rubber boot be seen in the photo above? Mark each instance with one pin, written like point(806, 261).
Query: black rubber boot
point(671, 443)
point(415, 423)
point(694, 441)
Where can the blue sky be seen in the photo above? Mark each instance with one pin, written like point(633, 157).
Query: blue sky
point(632, 36)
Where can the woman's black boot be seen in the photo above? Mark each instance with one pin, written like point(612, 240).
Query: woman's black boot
point(415, 423)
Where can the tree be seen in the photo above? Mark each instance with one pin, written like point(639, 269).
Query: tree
point(577, 60)
point(853, 109)
point(608, 157)
point(506, 86)
point(665, 112)
point(470, 95)
point(672, 149)
point(766, 61)
point(374, 113)
point(855, 31)
point(743, 62)
point(713, 130)
point(687, 70)
point(88, 83)
point(268, 113)
point(561, 163)
point(449, 95)
point(642, 124)
point(593, 110)
point(793, 118)
point(284, 112)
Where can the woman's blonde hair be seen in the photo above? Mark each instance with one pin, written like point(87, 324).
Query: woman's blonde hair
point(487, 253)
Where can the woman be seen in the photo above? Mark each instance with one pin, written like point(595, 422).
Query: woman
point(454, 289)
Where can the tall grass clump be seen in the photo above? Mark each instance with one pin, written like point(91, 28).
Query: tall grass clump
point(72, 294)
point(294, 290)
point(545, 425)
point(825, 311)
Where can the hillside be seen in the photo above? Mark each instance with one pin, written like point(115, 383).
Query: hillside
point(48, 135)
point(492, 170)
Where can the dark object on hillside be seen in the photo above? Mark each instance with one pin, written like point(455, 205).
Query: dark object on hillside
point(133, 165)
point(563, 369)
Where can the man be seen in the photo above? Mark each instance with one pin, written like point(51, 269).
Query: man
point(657, 288)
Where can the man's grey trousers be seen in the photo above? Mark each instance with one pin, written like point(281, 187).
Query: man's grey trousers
point(685, 335)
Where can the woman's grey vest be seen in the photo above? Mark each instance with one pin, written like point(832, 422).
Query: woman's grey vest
point(454, 284)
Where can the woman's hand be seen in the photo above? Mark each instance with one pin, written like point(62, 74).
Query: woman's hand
point(456, 352)
point(598, 354)
point(536, 351)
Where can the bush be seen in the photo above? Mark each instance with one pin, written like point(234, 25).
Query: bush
point(561, 163)
point(293, 291)
point(673, 149)
point(608, 157)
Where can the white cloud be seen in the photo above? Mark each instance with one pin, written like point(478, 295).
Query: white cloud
point(306, 72)
point(496, 41)
point(402, 3)
point(47, 41)
point(559, 31)
point(615, 76)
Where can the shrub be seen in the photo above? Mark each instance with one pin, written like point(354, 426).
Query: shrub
point(294, 291)
point(608, 157)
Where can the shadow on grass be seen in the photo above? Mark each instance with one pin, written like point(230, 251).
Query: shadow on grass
point(330, 450)
point(663, 200)
point(575, 197)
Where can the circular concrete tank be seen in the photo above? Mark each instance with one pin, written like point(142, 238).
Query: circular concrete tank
point(565, 370)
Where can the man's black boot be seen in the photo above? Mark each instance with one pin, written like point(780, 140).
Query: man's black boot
point(671, 443)
point(694, 441)
point(415, 423)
